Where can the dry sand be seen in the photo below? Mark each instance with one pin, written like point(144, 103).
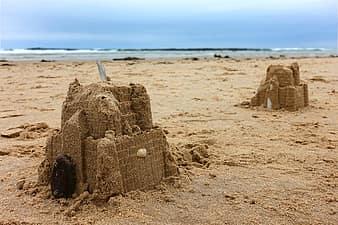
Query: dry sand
point(265, 167)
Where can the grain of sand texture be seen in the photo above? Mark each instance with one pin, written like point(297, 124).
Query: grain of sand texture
point(265, 167)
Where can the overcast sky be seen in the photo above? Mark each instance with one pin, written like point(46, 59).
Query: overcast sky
point(168, 23)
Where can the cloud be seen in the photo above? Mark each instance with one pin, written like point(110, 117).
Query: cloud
point(153, 6)
point(198, 21)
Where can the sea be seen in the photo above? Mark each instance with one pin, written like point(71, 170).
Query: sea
point(73, 54)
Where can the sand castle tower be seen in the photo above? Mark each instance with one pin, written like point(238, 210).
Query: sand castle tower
point(107, 131)
point(282, 88)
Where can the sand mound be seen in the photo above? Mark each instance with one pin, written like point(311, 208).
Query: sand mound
point(107, 131)
point(282, 88)
point(192, 154)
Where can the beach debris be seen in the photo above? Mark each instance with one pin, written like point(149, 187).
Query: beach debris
point(218, 56)
point(282, 88)
point(108, 132)
point(46, 60)
point(7, 64)
point(102, 71)
point(192, 58)
point(128, 59)
point(63, 177)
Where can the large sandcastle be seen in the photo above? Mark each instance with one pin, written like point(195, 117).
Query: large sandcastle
point(282, 88)
point(107, 131)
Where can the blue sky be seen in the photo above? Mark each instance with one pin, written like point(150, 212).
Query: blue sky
point(168, 23)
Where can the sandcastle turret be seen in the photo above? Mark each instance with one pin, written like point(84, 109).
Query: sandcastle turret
point(282, 88)
point(108, 133)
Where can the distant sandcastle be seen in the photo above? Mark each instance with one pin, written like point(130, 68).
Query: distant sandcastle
point(107, 131)
point(282, 88)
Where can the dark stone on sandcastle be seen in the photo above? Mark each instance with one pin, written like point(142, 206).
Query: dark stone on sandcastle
point(282, 88)
point(63, 178)
point(107, 131)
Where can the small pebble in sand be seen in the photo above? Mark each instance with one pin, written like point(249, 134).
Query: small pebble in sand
point(229, 196)
point(212, 175)
point(4, 152)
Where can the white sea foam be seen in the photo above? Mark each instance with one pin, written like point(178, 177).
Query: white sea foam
point(108, 54)
point(298, 49)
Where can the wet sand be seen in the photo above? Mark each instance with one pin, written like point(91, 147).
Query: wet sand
point(266, 167)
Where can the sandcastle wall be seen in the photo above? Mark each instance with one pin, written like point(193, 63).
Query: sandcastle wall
point(282, 88)
point(103, 127)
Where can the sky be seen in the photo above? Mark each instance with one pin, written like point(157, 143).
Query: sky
point(168, 23)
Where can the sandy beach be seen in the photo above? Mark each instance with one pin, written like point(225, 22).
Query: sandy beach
point(265, 167)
